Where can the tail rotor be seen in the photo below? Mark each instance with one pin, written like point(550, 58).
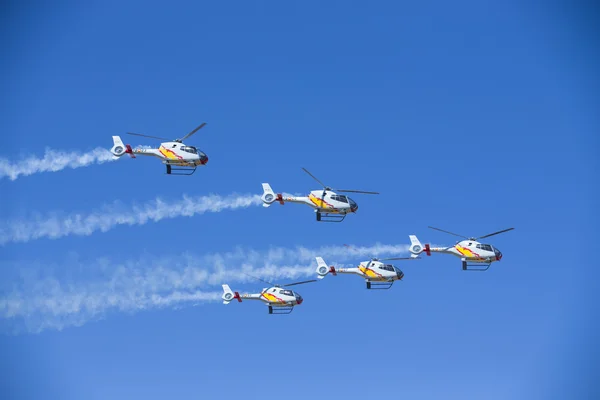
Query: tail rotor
point(229, 295)
point(119, 148)
point(417, 248)
point(323, 269)
point(269, 196)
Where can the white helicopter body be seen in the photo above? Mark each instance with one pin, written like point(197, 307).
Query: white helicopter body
point(376, 274)
point(172, 153)
point(329, 206)
point(277, 298)
point(469, 251)
point(331, 202)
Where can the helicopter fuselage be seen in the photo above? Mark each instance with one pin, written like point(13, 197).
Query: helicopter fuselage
point(376, 274)
point(330, 203)
point(374, 271)
point(275, 296)
point(175, 153)
point(280, 300)
point(471, 250)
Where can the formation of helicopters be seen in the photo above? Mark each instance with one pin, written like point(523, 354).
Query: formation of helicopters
point(181, 159)
point(329, 205)
point(376, 273)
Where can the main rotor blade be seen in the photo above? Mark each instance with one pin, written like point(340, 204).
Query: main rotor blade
point(314, 177)
point(194, 131)
point(300, 283)
point(451, 233)
point(262, 280)
point(153, 137)
point(355, 191)
point(495, 233)
point(396, 258)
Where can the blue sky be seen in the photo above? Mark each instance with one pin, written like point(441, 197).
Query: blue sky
point(470, 116)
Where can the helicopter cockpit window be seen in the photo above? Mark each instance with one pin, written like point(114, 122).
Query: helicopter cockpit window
point(189, 149)
point(286, 292)
point(485, 247)
point(341, 199)
point(386, 267)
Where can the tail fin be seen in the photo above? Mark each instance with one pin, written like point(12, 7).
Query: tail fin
point(269, 196)
point(119, 148)
point(323, 269)
point(229, 295)
point(416, 247)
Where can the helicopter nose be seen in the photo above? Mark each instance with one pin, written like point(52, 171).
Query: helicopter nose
point(299, 300)
point(203, 159)
point(498, 256)
point(400, 275)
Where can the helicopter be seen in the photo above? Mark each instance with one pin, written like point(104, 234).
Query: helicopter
point(329, 206)
point(279, 300)
point(475, 256)
point(376, 274)
point(179, 158)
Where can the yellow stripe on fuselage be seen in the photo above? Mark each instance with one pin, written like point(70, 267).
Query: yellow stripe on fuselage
point(272, 298)
point(369, 272)
point(321, 203)
point(168, 153)
point(466, 252)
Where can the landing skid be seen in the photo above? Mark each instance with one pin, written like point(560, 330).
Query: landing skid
point(379, 285)
point(184, 170)
point(280, 310)
point(327, 217)
point(475, 266)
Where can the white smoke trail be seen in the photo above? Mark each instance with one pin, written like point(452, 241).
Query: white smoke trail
point(62, 308)
point(56, 226)
point(33, 304)
point(53, 160)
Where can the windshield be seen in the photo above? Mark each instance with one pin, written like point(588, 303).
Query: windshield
point(339, 198)
point(286, 292)
point(399, 273)
point(189, 149)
